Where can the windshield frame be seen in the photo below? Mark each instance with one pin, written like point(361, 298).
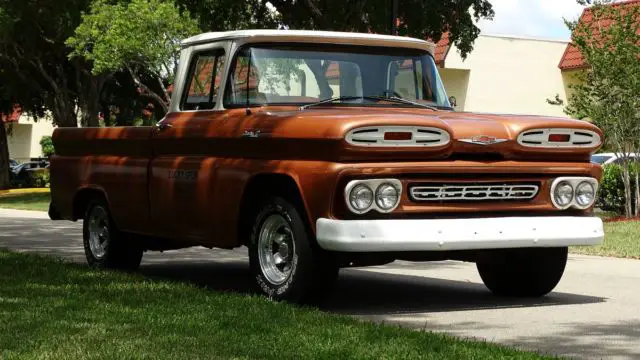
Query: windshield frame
point(303, 46)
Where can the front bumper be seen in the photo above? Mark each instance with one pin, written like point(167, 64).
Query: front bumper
point(457, 234)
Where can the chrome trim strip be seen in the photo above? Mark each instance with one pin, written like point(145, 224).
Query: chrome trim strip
point(421, 136)
point(579, 138)
point(455, 192)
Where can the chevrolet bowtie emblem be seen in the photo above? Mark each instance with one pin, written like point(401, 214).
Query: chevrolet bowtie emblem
point(483, 140)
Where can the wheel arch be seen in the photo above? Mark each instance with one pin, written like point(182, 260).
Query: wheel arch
point(83, 197)
point(263, 185)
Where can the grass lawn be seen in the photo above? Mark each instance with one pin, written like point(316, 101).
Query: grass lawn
point(52, 310)
point(28, 199)
point(621, 239)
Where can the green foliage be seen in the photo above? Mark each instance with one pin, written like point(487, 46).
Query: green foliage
point(223, 15)
point(40, 178)
point(46, 143)
point(607, 92)
point(419, 18)
point(611, 194)
point(141, 37)
point(34, 67)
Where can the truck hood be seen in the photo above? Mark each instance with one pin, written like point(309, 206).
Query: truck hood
point(472, 135)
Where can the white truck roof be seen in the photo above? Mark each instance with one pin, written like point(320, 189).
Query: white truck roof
point(307, 36)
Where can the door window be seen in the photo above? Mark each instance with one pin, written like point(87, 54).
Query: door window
point(203, 81)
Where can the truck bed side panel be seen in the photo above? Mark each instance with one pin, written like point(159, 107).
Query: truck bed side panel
point(112, 160)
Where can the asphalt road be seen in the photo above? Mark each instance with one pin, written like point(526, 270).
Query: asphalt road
point(594, 312)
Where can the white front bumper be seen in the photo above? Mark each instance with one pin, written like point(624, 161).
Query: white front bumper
point(457, 234)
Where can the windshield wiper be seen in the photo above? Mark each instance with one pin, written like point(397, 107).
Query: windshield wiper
point(387, 98)
point(335, 99)
point(404, 101)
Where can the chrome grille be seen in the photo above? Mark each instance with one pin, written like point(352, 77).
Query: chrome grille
point(472, 192)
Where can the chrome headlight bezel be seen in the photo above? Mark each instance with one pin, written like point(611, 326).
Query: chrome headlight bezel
point(374, 185)
point(574, 182)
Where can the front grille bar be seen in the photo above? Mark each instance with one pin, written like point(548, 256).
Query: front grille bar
point(461, 192)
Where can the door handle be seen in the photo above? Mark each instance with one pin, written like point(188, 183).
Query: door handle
point(163, 126)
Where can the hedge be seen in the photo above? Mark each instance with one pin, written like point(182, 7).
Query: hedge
point(611, 193)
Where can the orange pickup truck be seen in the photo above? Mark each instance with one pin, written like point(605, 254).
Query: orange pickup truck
point(324, 150)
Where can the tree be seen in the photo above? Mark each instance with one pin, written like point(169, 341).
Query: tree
point(141, 37)
point(224, 15)
point(419, 18)
point(34, 57)
point(608, 91)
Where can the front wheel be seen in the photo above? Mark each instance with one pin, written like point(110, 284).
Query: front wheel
point(522, 272)
point(104, 245)
point(283, 262)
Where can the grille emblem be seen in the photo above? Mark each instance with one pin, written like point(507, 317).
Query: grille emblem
point(483, 140)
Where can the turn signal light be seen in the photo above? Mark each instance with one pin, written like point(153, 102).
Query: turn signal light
point(559, 137)
point(397, 135)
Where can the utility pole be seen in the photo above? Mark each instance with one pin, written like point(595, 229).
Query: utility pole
point(394, 17)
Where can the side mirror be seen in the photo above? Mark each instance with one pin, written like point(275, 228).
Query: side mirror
point(452, 101)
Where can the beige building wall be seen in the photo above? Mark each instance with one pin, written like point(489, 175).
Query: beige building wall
point(24, 138)
point(513, 75)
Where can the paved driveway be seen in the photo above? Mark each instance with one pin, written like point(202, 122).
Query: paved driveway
point(595, 312)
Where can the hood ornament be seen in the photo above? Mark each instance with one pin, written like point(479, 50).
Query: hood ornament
point(483, 140)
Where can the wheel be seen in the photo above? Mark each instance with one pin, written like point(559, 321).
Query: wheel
point(283, 261)
point(522, 272)
point(104, 245)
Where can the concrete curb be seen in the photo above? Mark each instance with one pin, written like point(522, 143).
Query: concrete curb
point(25, 214)
point(12, 192)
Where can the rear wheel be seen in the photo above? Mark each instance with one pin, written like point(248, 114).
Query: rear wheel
point(283, 262)
point(522, 272)
point(104, 245)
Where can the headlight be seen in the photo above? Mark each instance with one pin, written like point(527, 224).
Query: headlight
point(585, 194)
point(577, 192)
point(382, 195)
point(387, 196)
point(361, 197)
point(563, 194)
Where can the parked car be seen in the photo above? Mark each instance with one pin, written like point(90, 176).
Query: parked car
point(22, 175)
point(611, 158)
point(324, 150)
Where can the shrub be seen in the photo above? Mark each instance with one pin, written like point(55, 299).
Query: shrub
point(47, 146)
point(611, 193)
point(40, 178)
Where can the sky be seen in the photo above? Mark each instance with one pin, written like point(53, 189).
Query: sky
point(536, 18)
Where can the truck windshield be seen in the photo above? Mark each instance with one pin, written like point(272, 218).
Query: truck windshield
point(299, 75)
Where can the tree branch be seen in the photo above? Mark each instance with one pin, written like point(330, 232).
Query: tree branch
point(147, 91)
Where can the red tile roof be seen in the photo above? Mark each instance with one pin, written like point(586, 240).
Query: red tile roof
point(442, 49)
point(13, 117)
point(572, 59)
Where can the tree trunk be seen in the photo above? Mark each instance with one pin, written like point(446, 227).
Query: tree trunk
point(627, 189)
point(5, 182)
point(636, 211)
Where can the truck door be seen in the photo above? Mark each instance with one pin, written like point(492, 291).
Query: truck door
point(182, 172)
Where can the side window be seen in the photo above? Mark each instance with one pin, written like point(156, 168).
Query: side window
point(203, 81)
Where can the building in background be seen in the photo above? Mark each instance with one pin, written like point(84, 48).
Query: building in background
point(24, 135)
point(505, 74)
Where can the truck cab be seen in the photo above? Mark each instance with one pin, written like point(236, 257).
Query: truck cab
point(323, 150)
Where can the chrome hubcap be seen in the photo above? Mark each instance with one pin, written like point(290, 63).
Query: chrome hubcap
point(98, 232)
point(276, 249)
